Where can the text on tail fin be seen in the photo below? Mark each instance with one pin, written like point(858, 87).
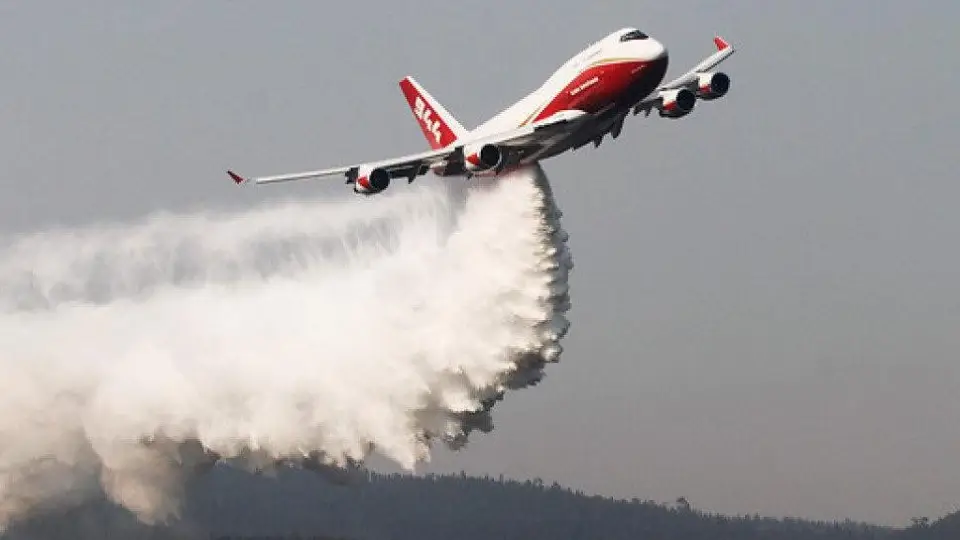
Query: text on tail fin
point(438, 126)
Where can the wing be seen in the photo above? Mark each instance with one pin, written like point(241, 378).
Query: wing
point(522, 139)
point(689, 79)
point(409, 166)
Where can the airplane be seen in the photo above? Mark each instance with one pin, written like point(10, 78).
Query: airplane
point(587, 98)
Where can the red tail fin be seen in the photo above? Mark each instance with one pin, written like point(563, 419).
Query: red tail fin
point(439, 127)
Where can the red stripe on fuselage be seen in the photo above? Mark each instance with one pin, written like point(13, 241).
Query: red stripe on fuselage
point(625, 81)
point(599, 86)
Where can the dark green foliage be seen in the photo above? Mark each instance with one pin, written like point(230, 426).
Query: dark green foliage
point(469, 508)
point(296, 504)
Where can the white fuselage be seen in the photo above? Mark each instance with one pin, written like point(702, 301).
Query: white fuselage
point(608, 64)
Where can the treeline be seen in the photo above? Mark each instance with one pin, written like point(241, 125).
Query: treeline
point(231, 504)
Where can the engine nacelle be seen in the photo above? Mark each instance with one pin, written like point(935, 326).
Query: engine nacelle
point(370, 181)
point(486, 157)
point(677, 103)
point(712, 85)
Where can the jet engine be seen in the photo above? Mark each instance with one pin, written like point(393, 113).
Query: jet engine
point(371, 181)
point(487, 156)
point(712, 85)
point(677, 103)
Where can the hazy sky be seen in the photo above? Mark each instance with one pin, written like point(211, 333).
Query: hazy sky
point(766, 311)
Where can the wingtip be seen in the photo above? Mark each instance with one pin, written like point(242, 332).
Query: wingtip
point(237, 179)
point(721, 43)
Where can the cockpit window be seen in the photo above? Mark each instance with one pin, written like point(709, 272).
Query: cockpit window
point(633, 35)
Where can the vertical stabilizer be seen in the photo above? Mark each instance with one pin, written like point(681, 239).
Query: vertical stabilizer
point(439, 127)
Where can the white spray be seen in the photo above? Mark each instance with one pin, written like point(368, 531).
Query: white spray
point(307, 334)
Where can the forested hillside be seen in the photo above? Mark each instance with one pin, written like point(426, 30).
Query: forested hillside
point(231, 504)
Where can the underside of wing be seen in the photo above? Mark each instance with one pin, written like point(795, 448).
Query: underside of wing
point(561, 124)
point(409, 166)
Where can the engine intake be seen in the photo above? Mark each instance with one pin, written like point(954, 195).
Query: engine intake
point(677, 103)
point(712, 85)
point(372, 181)
point(488, 156)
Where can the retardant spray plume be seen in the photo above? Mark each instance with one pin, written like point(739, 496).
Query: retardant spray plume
point(306, 334)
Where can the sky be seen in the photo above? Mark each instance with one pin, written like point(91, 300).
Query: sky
point(766, 315)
